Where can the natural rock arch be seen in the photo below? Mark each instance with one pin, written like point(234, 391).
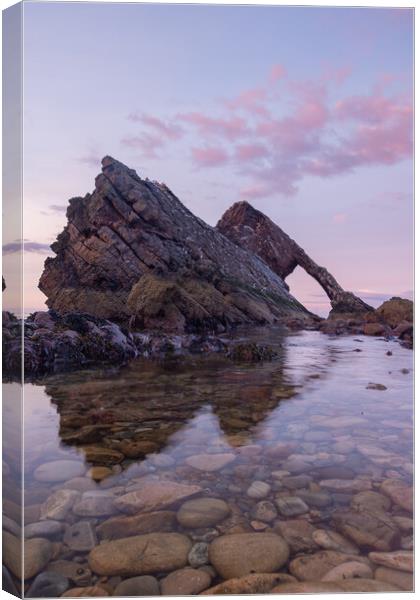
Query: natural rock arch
point(252, 230)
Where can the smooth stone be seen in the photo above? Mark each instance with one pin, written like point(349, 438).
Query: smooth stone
point(142, 554)
point(256, 583)
point(239, 554)
point(48, 585)
point(298, 533)
point(400, 494)
point(37, 553)
point(346, 485)
point(404, 523)
point(316, 499)
point(199, 555)
point(185, 582)
point(403, 580)
point(11, 526)
point(281, 449)
point(59, 470)
point(99, 473)
point(332, 540)
point(333, 472)
point(122, 526)
point(57, 506)
point(367, 585)
point(98, 503)
point(77, 573)
point(154, 496)
point(370, 530)
point(210, 462)
point(258, 490)
point(144, 585)
point(80, 484)
point(291, 506)
point(295, 482)
point(86, 592)
point(264, 511)
point(370, 501)
point(80, 537)
point(314, 566)
point(348, 585)
point(403, 560)
point(44, 529)
point(348, 570)
point(202, 512)
point(376, 386)
point(8, 585)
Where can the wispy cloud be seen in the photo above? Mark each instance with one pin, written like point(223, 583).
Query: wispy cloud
point(311, 129)
point(35, 247)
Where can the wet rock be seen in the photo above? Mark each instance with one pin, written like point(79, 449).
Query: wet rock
point(370, 501)
point(332, 540)
point(121, 526)
point(258, 490)
point(142, 554)
point(314, 566)
point(8, 585)
point(11, 526)
point(102, 456)
point(202, 512)
point(374, 329)
point(185, 582)
point(144, 585)
point(86, 592)
point(264, 511)
point(59, 470)
point(37, 553)
point(48, 585)
point(349, 570)
point(137, 448)
point(298, 533)
point(376, 386)
point(236, 555)
point(400, 559)
point(346, 485)
point(291, 506)
point(155, 495)
point(281, 449)
point(295, 482)
point(367, 529)
point(396, 310)
point(348, 585)
point(257, 583)
point(333, 472)
point(403, 580)
point(77, 573)
point(46, 529)
point(80, 537)
point(58, 505)
point(210, 462)
point(367, 585)
point(315, 499)
point(199, 555)
point(400, 494)
point(80, 484)
point(99, 473)
point(98, 503)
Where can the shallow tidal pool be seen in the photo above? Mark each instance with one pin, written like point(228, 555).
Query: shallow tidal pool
point(161, 467)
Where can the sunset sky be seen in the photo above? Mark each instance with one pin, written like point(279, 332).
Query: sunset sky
point(304, 112)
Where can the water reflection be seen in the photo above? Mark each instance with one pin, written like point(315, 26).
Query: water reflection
point(302, 428)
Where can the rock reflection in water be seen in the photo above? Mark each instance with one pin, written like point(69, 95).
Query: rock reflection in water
point(296, 459)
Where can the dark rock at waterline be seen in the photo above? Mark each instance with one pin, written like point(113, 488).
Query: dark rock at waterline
point(48, 585)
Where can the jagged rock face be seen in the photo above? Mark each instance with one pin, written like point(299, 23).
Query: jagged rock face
point(131, 249)
point(252, 230)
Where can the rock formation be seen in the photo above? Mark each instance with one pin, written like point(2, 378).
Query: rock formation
point(132, 251)
point(252, 230)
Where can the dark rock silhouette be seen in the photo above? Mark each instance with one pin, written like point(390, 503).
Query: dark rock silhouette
point(132, 251)
point(252, 230)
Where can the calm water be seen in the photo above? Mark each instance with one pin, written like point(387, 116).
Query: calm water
point(156, 416)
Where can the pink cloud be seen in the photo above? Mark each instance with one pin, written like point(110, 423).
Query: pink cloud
point(250, 101)
point(147, 144)
point(209, 157)
point(230, 127)
point(247, 152)
point(277, 72)
point(168, 130)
